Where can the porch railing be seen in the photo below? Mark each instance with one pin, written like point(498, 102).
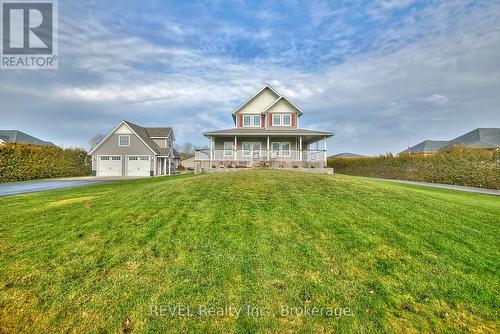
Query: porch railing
point(252, 155)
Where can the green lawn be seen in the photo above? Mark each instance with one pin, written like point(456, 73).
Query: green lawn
point(369, 256)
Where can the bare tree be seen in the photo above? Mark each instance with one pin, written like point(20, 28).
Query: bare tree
point(96, 140)
point(187, 148)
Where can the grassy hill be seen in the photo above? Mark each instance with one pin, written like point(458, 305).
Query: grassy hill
point(368, 256)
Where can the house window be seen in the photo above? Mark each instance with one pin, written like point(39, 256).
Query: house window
point(228, 149)
point(276, 120)
point(251, 120)
point(124, 140)
point(256, 120)
point(286, 120)
point(246, 120)
point(282, 119)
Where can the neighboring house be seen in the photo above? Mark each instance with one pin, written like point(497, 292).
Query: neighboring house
point(426, 147)
point(481, 137)
point(347, 155)
point(488, 138)
point(187, 163)
point(133, 150)
point(19, 137)
point(267, 133)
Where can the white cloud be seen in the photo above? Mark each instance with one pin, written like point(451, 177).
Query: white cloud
point(434, 74)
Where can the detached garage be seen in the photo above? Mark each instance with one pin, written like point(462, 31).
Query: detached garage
point(136, 151)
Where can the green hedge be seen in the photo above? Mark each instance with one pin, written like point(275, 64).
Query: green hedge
point(20, 162)
point(464, 166)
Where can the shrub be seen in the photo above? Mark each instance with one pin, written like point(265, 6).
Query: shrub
point(465, 166)
point(20, 162)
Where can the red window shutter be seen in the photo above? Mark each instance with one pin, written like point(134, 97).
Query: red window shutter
point(263, 121)
point(293, 120)
point(241, 121)
point(270, 119)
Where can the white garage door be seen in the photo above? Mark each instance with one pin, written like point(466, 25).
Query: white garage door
point(138, 166)
point(109, 165)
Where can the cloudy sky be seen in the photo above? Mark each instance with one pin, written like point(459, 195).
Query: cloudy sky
point(376, 73)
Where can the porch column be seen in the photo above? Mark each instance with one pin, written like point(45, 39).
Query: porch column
point(211, 150)
point(164, 166)
point(155, 170)
point(324, 152)
point(169, 168)
point(268, 153)
point(235, 152)
point(300, 148)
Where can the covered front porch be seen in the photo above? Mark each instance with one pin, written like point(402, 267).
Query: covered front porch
point(164, 165)
point(264, 151)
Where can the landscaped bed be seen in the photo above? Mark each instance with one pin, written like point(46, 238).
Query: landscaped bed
point(133, 256)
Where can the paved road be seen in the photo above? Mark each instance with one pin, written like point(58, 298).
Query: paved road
point(448, 186)
point(9, 189)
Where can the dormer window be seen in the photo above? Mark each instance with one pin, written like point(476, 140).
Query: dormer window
point(251, 120)
point(282, 119)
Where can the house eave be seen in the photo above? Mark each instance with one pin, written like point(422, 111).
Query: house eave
point(263, 132)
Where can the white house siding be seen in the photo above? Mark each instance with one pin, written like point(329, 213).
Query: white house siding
point(259, 103)
point(282, 107)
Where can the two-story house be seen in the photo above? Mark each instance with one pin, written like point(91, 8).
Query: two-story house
point(267, 133)
point(133, 150)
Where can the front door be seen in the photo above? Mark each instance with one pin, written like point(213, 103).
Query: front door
point(251, 150)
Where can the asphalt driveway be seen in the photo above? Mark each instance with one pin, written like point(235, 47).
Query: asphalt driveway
point(9, 189)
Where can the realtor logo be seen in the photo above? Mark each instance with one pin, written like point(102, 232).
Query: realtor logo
point(29, 34)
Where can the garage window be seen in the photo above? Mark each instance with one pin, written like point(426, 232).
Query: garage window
point(144, 158)
point(124, 140)
point(104, 158)
point(133, 158)
point(116, 158)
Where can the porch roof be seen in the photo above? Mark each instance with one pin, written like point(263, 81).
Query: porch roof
point(264, 132)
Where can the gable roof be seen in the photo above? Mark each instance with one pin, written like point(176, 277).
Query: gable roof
point(480, 137)
point(255, 95)
point(16, 136)
point(144, 135)
point(159, 132)
point(278, 98)
point(426, 146)
point(284, 98)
